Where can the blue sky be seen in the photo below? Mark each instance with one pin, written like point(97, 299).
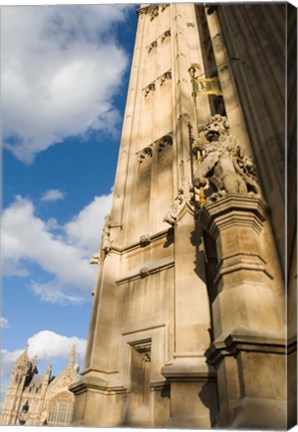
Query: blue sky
point(65, 72)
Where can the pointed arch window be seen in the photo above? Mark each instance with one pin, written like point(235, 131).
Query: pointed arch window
point(60, 410)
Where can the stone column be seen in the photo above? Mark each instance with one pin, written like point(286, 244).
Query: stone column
point(248, 346)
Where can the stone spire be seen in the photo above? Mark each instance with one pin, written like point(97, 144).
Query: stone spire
point(72, 357)
point(23, 360)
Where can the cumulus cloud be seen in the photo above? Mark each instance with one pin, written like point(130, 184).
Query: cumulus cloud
point(83, 230)
point(8, 359)
point(52, 195)
point(67, 275)
point(61, 67)
point(46, 345)
point(3, 323)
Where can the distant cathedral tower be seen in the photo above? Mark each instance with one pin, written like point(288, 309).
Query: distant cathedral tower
point(37, 400)
point(190, 324)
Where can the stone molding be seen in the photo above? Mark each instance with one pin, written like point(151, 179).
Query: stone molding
point(240, 209)
point(244, 339)
point(136, 245)
point(91, 383)
point(188, 369)
point(150, 269)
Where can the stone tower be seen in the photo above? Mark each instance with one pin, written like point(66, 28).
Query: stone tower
point(36, 400)
point(189, 319)
point(22, 373)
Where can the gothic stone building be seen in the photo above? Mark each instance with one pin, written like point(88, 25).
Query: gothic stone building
point(193, 322)
point(34, 399)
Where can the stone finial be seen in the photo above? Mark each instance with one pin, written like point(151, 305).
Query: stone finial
point(72, 355)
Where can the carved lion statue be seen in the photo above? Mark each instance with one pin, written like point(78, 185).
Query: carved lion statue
point(224, 165)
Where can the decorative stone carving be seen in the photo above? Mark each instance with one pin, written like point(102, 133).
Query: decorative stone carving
point(182, 197)
point(224, 167)
point(147, 357)
point(106, 241)
point(152, 45)
point(145, 153)
point(149, 88)
point(164, 142)
point(165, 35)
point(158, 40)
point(144, 271)
point(164, 6)
point(153, 12)
point(145, 240)
point(164, 77)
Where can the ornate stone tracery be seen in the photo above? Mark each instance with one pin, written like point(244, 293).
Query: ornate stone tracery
point(159, 40)
point(145, 153)
point(161, 80)
point(149, 88)
point(164, 77)
point(164, 142)
point(156, 147)
point(224, 167)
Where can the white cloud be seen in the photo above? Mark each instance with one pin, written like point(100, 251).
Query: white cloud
point(46, 345)
point(64, 258)
point(8, 359)
point(3, 323)
point(52, 195)
point(86, 228)
point(61, 67)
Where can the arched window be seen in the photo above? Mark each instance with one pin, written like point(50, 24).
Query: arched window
point(60, 410)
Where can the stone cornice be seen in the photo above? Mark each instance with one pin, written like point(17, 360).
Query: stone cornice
point(151, 268)
point(243, 339)
point(225, 210)
point(97, 384)
point(136, 245)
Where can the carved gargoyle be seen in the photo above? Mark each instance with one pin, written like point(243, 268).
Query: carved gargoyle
point(224, 164)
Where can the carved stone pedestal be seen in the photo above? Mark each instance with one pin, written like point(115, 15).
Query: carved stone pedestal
point(248, 346)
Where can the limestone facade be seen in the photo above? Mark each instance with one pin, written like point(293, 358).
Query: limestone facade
point(190, 324)
point(38, 400)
